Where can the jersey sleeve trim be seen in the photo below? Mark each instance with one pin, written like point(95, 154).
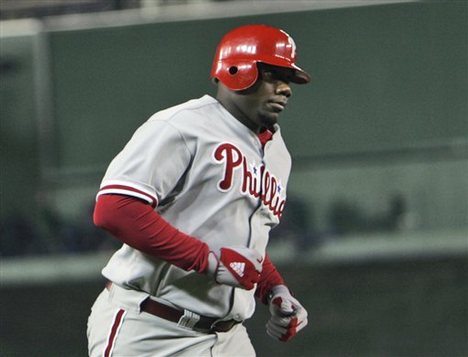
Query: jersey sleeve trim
point(124, 188)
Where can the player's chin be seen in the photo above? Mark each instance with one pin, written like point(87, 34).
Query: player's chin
point(269, 119)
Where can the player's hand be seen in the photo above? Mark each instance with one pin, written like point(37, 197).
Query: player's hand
point(236, 266)
point(288, 316)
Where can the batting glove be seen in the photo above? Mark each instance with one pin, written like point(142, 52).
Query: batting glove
point(236, 266)
point(288, 316)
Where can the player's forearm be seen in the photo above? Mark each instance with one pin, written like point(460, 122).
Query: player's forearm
point(269, 278)
point(136, 224)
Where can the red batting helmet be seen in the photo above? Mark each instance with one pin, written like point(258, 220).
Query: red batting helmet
point(239, 51)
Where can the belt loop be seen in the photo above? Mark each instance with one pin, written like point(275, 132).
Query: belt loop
point(188, 319)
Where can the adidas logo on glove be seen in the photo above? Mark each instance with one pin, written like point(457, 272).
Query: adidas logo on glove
point(238, 267)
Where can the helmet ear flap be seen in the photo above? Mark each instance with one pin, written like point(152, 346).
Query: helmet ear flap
point(237, 76)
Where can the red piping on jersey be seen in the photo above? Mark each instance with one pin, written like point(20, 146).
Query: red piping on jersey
point(127, 190)
point(118, 319)
point(269, 276)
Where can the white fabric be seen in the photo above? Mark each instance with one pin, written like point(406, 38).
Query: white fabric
point(183, 159)
point(144, 335)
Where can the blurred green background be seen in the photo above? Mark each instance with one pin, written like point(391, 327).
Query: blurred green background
point(375, 234)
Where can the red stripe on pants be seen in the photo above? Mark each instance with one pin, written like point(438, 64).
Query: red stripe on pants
point(113, 334)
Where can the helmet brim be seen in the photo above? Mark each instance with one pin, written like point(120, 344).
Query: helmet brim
point(300, 76)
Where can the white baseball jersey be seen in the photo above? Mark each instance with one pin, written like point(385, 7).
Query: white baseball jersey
point(207, 174)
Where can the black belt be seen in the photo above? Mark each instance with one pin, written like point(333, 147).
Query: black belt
point(204, 324)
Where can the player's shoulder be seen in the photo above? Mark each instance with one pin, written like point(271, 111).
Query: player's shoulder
point(191, 111)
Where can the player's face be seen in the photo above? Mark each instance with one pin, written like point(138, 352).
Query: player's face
point(260, 106)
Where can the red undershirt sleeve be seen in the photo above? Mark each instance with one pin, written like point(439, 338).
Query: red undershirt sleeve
point(268, 279)
point(136, 224)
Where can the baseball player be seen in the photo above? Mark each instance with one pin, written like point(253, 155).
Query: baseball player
point(193, 197)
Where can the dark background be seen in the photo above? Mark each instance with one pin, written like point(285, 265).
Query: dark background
point(374, 239)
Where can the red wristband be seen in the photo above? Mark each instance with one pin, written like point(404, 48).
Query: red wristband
point(268, 278)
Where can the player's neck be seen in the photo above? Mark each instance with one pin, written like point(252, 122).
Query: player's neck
point(235, 111)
